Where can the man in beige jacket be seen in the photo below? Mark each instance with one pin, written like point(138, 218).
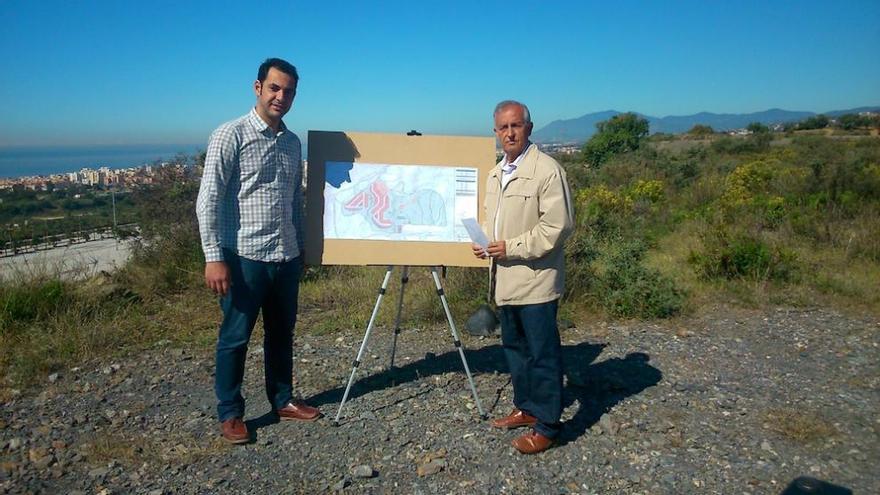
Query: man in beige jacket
point(528, 215)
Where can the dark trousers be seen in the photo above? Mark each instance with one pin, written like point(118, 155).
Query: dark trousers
point(534, 355)
point(274, 289)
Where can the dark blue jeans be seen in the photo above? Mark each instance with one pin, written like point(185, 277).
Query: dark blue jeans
point(534, 355)
point(274, 289)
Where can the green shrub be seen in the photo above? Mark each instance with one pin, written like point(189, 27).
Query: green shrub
point(167, 265)
point(581, 250)
point(627, 288)
point(169, 259)
point(738, 145)
point(25, 301)
point(738, 254)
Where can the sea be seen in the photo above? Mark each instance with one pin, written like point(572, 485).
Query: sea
point(27, 161)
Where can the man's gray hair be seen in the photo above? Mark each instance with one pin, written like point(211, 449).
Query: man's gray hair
point(506, 103)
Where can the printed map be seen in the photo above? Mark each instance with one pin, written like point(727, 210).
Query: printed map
point(372, 201)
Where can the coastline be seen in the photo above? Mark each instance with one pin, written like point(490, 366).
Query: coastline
point(33, 161)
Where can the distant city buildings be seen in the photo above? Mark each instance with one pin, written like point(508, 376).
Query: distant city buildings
point(103, 177)
point(561, 148)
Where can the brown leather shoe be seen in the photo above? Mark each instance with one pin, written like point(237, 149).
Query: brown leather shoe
point(298, 411)
point(532, 443)
point(235, 431)
point(515, 419)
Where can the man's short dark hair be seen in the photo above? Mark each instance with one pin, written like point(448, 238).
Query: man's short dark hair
point(280, 64)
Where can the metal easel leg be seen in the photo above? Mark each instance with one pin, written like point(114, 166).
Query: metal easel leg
point(360, 353)
point(456, 341)
point(403, 280)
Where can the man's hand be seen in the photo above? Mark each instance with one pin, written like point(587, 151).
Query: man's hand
point(217, 277)
point(479, 252)
point(498, 250)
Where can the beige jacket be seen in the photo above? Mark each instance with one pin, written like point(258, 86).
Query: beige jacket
point(535, 218)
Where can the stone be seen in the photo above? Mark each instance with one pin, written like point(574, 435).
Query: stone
point(42, 398)
point(8, 467)
point(363, 471)
point(37, 453)
point(608, 425)
point(433, 466)
point(99, 472)
point(341, 484)
point(43, 462)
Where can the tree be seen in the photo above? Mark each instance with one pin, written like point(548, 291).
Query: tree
point(815, 122)
point(757, 128)
point(619, 134)
point(852, 121)
point(701, 130)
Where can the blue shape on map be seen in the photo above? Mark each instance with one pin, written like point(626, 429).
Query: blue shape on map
point(336, 173)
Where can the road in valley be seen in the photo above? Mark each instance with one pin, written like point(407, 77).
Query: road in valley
point(71, 262)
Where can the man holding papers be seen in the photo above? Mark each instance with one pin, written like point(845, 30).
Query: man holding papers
point(528, 216)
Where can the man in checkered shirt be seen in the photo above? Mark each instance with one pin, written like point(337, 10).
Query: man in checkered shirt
point(250, 219)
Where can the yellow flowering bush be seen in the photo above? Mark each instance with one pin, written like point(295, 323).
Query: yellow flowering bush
point(647, 190)
point(602, 198)
point(747, 182)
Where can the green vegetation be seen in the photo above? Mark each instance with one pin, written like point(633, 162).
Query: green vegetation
point(664, 228)
point(848, 124)
point(32, 217)
point(853, 121)
point(757, 128)
point(701, 130)
point(814, 122)
point(620, 134)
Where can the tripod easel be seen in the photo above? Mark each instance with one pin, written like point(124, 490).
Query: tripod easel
point(404, 278)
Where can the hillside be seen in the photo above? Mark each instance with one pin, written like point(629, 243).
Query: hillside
point(580, 129)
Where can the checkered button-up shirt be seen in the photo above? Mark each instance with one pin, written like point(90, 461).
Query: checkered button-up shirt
point(250, 199)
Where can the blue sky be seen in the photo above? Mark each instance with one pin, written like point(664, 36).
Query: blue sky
point(115, 72)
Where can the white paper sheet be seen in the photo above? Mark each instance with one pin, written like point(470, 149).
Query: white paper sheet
point(476, 233)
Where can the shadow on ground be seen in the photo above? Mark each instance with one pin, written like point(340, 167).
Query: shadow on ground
point(596, 387)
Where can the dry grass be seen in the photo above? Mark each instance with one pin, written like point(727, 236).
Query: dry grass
point(827, 277)
point(799, 426)
point(833, 280)
point(670, 258)
point(344, 297)
point(136, 450)
point(87, 328)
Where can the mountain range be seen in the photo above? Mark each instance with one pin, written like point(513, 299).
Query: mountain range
point(580, 129)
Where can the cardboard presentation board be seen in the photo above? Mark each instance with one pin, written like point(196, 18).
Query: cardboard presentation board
point(391, 149)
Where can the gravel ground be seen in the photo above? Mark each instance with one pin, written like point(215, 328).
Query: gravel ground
point(729, 402)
